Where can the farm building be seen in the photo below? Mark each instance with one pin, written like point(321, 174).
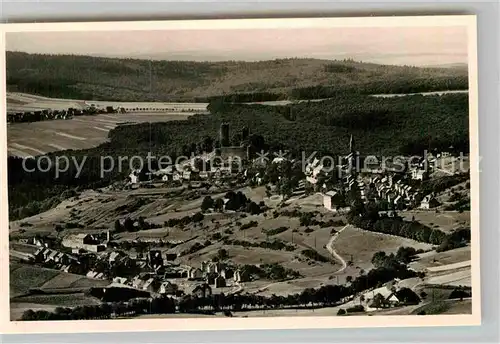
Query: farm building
point(220, 282)
point(170, 257)
point(210, 278)
point(155, 259)
point(419, 174)
point(227, 273)
point(241, 276)
point(151, 285)
point(331, 200)
point(429, 202)
point(133, 178)
point(168, 288)
point(195, 273)
point(387, 213)
point(118, 293)
point(120, 280)
point(83, 241)
point(200, 290)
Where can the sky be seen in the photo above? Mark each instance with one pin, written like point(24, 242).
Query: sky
point(403, 45)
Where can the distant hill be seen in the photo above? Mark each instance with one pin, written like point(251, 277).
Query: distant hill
point(102, 78)
point(462, 66)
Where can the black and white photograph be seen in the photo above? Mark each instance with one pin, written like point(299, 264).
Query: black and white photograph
point(323, 171)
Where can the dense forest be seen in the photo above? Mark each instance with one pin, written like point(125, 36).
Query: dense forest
point(381, 126)
point(101, 78)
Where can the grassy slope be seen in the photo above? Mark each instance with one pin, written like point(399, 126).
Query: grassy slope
point(24, 277)
point(68, 76)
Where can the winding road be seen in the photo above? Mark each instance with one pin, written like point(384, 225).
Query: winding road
point(334, 253)
point(329, 247)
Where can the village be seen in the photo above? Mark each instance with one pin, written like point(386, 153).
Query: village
point(144, 267)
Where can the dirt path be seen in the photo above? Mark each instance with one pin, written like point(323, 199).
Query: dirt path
point(334, 253)
point(329, 247)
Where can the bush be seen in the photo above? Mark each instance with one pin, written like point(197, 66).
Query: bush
point(341, 312)
point(314, 255)
point(275, 231)
point(248, 225)
point(356, 309)
point(207, 203)
point(457, 239)
point(216, 236)
point(198, 217)
point(408, 296)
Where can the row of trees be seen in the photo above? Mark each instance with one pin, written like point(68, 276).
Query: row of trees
point(132, 225)
point(185, 220)
point(402, 86)
point(324, 296)
point(275, 244)
point(134, 307)
point(366, 217)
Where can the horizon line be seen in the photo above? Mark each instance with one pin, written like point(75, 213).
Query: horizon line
point(144, 58)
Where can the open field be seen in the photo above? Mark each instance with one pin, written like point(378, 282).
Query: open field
point(48, 302)
point(31, 139)
point(24, 277)
point(361, 245)
point(445, 307)
point(80, 132)
point(65, 289)
point(29, 102)
point(435, 259)
point(447, 221)
point(458, 278)
point(18, 308)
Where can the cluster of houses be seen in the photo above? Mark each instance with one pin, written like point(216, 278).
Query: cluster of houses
point(397, 194)
point(148, 282)
point(216, 274)
point(221, 162)
point(84, 242)
point(37, 241)
point(196, 281)
point(57, 260)
point(182, 173)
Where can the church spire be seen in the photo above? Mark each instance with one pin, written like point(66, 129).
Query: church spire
point(351, 144)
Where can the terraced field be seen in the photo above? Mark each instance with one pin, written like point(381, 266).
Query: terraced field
point(24, 277)
point(38, 138)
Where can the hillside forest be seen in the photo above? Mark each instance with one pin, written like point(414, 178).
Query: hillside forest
point(381, 126)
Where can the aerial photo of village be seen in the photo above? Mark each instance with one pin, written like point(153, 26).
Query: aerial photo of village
point(298, 172)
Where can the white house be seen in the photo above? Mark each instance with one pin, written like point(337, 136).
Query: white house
point(241, 276)
point(429, 202)
point(331, 200)
point(195, 273)
point(168, 288)
point(220, 282)
point(134, 178)
point(419, 174)
point(120, 280)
